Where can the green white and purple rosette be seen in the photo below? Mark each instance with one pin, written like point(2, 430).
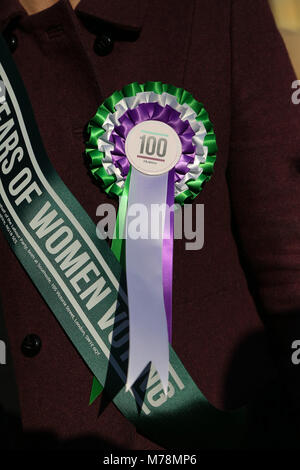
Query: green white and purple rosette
point(151, 145)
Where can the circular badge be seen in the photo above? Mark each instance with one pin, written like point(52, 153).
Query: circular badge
point(153, 147)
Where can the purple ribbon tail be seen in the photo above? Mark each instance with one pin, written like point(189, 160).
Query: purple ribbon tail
point(167, 268)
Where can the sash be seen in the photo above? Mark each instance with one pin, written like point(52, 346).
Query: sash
point(56, 243)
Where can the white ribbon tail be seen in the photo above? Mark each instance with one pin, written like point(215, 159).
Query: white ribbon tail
point(148, 331)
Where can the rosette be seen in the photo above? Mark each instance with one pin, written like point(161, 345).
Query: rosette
point(150, 145)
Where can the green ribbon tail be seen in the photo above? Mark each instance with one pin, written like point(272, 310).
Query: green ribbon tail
point(118, 249)
point(118, 244)
point(96, 390)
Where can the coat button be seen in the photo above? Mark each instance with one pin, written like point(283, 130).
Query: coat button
point(104, 44)
point(12, 41)
point(31, 345)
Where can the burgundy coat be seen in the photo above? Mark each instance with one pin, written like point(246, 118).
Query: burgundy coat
point(229, 55)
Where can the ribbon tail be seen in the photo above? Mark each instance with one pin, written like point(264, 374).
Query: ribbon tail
point(167, 255)
point(96, 390)
point(138, 363)
point(148, 329)
point(118, 244)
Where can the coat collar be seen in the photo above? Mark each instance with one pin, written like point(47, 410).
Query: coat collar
point(10, 10)
point(124, 13)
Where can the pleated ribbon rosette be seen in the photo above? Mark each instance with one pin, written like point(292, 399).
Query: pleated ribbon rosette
point(152, 145)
